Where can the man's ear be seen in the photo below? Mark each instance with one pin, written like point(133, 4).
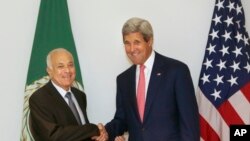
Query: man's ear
point(150, 42)
point(49, 71)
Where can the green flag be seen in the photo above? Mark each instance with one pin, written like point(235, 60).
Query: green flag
point(53, 30)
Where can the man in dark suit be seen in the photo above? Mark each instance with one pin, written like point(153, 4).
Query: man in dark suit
point(168, 109)
point(51, 116)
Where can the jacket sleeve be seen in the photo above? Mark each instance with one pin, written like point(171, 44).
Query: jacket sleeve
point(187, 106)
point(46, 127)
point(117, 125)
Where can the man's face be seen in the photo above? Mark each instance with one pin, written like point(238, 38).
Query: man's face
point(62, 70)
point(137, 49)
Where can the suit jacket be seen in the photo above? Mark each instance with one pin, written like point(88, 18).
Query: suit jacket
point(171, 112)
point(52, 120)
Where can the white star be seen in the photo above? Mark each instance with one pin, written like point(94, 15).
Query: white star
point(219, 79)
point(216, 94)
point(205, 78)
point(235, 66)
point(238, 23)
point(211, 48)
point(237, 51)
point(222, 65)
point(247, 55)
point(246, 40)
point(247, 67)
point(214, 34)
point(224, 50)
point(238, 36)
point(231, 6)
point(238, 9)
point(229, 21)
point(217, 19)
point(233, 80)
point(220, 5)
point(227, 36)
point(208, 63)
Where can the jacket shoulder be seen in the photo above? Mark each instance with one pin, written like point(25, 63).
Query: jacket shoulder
point(127, 72)
point(169, 62)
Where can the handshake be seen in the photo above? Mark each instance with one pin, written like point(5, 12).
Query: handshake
point(104, 135)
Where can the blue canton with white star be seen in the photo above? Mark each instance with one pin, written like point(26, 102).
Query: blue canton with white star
point(226, 65)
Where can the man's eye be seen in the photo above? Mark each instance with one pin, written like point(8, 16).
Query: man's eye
point(136, 43)
point(126, 44)
point(71, 65)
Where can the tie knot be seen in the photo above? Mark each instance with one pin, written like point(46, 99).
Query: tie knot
point(68, 95)
point(142, 67)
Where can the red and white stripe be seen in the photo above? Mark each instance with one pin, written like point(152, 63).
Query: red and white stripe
point(214, 123)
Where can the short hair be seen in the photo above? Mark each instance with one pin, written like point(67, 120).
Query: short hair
point(48, 60)
point(142, 26)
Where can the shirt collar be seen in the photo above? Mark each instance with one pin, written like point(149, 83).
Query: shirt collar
point(150, 61)
point(60, 90)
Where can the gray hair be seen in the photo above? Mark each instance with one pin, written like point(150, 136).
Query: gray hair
point(142, 26)
point(48, 60)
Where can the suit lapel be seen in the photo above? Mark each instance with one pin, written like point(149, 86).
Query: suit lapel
point(132, 91)
point(154, 82)
point(60, 100)
point(81, 103)
point(57, 96)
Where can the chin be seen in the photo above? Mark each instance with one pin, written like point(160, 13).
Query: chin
point(137, 63)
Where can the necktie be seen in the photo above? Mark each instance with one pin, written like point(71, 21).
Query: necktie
point(141, 92)
point(73, 108)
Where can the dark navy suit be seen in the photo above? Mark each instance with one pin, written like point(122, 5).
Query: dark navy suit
point(171, 112)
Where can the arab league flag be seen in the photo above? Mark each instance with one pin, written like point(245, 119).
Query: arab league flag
point(53, 30)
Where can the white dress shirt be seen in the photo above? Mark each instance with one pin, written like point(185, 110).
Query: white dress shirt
point(147, 71)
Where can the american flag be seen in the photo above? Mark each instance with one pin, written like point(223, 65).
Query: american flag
point(224, 85)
